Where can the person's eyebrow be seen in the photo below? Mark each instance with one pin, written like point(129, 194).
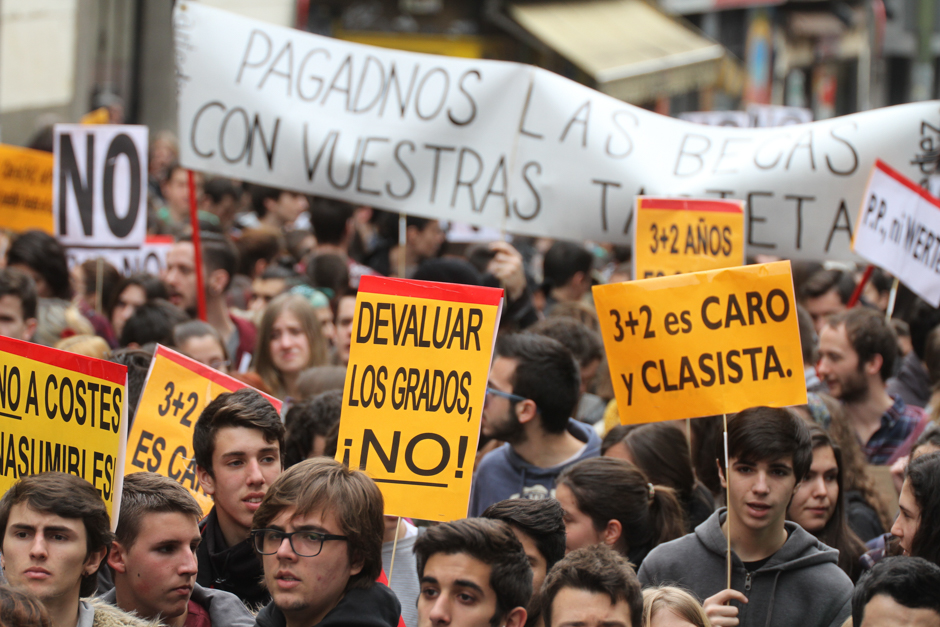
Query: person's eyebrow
point(233, 454)
point(316, 528)
point(906, 511)
point(427, 579)
point(57, 529)
point(269, 449)
point(23, 527)
point(465, 583)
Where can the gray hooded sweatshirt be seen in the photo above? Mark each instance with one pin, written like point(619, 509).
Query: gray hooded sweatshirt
point(224, 608)
point(801, 585)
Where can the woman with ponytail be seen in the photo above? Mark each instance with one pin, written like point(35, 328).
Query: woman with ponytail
point(610, 501)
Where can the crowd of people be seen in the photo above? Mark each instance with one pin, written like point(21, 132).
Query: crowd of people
point(573, 519)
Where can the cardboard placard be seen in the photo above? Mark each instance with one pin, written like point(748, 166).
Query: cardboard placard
point(703, 343)
point(25, 189)
point(414, 391)
point(60, 411)
point(675, 236)
point(176, 391)
point(898, 228)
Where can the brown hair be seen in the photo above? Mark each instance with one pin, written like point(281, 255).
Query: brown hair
point(613, 489)
point(19, 608)
point(597, 569)
point(325, 484)
point(307, 316)
point(242, 408)
point(149, 493)
point(869, 335)
point(67, 496)
point(677, 601)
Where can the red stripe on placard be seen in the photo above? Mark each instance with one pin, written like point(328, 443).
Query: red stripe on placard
point(684, 204)
point(229, 383)
point(431, 290)
point(906, 182)
point(98, 368)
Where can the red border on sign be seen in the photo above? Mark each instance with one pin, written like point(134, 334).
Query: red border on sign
point(431, 290)
point(229, 383)
point(98, 368)
point(906, 182)
point(689, 204)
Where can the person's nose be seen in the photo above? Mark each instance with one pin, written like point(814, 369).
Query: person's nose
point(760, 485)
point(440, 611)
point(255, 476)
point(819, 487)
point(896, 529)
point(190, 565)
point(38, 549)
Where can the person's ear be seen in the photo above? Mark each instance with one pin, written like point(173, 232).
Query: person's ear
point(31, 324)
point(721, 474)
point(93, 561)
point(217, 281)
point(612, 532)
point(515, 618)
point(206, 480)
point(116, 558)
point(526, 410)
point(873, 366)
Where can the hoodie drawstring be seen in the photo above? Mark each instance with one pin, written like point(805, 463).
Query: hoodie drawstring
point(773, 593)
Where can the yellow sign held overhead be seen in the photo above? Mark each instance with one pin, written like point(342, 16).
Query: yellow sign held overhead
point(176, 391)
point(25, 189)
point(679, 235)
point(703, 343)
point(414, 391)
point(62, 412)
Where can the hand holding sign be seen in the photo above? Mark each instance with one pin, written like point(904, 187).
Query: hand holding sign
point(703, 343)
point(415, 386)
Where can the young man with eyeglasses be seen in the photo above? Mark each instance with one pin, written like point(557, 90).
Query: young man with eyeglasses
point(319, 535)
point(531, 395)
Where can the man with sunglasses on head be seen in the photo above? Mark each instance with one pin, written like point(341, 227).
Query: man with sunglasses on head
point(531, 394)
point(319, 533)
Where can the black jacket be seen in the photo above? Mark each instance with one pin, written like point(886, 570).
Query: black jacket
point(234, 569)
point(376, 606)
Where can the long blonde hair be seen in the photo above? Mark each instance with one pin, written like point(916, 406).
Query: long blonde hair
point(306, 315)
point(677, 601)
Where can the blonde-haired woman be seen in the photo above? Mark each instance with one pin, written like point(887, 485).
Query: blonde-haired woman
point(667, 606)
point(289, 341)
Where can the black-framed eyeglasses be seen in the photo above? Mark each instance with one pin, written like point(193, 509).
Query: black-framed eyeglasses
point(501, 394)
point(303, 543)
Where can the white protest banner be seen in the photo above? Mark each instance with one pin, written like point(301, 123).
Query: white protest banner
point(898, 228)
point(149, 258)
point(506, 145)
point(99, 186)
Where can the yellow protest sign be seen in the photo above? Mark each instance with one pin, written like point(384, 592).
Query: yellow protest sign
point(679, 235)
point(414, 391)
point(25, 189)
point(703, 343)
point(62, 412)
point(176, 391)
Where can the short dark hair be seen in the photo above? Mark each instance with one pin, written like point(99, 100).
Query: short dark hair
point(869, 335)
point(137, 362)
point(261, 193)
point(923, 475)
point(329, 218)
point(923, 320)
point(218, 188)
point(185, 331)
point(543, 520)
point(563, 260)
point(261, 243)
point(598, 569)
point(19, 284)
point(768, 434)
point(152, 322)
point(149, 493)
point(44, 254)
point(910, 581)
point(329, 271)
point(546, 373)
point(325, 484)
point(824, 281)
point(243, 408)
point(317, 416)
point(67, 496)
point(491, 542)
point(218, 253)
point(584, 344)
